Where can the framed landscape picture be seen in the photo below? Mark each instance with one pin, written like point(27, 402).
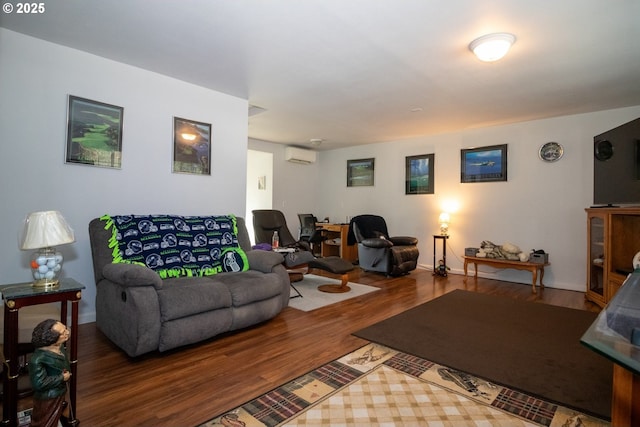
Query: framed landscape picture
point(484, 164)
point(94, 133)
point(191, 147)
point(419, 174)
point(360, 172)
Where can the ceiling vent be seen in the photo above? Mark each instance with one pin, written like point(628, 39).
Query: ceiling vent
point(299, 155)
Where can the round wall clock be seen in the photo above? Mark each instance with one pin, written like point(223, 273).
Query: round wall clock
point(551, 152)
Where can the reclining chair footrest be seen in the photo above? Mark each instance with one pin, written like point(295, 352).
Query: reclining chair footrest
point(335, 265)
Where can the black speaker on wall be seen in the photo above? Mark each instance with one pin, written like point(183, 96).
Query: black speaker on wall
point(603, 150)
point(616, 165)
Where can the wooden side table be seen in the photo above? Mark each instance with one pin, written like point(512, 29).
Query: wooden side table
point(21, 295)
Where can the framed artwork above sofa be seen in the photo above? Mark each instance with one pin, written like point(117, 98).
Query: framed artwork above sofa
point(191, 147)
point(94, 133)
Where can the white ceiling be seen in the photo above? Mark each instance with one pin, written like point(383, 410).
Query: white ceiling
point(352, 72)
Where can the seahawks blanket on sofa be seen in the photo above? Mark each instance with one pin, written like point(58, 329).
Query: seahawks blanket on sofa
point(175, 246)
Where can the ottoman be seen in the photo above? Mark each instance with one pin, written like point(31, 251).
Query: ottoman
point(335, 265)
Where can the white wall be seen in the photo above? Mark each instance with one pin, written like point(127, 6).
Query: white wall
point(541, 206)
point(36, 78)
point(259, 166)
point(295, 186)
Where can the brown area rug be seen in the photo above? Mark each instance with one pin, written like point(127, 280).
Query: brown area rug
point(531, 347)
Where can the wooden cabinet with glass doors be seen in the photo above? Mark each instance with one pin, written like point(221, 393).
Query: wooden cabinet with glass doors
point(613, 238)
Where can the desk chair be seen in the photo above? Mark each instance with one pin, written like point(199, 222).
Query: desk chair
point(310, 233)
point(307, 225)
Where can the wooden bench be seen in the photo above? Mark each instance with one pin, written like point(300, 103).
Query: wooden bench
point(533, 267)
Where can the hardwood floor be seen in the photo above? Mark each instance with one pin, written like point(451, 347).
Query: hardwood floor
point(191, 385)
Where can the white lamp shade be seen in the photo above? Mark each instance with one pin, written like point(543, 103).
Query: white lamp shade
point(45, 229)
point(492, 47)
point(444, 218)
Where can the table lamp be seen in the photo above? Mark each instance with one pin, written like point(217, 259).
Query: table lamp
point(43, 231)
point(444, 220)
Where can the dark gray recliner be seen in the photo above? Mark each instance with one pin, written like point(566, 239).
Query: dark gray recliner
point(377, 251)
point(266, 221)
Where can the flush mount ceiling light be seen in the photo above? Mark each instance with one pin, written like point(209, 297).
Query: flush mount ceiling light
point(492, 47)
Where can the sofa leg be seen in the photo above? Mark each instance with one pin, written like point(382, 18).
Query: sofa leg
point(335, 289)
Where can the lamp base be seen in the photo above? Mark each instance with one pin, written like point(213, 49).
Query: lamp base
point(45, 284)
point(46, 264)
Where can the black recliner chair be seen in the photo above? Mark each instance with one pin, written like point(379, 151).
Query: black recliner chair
point(377, 251)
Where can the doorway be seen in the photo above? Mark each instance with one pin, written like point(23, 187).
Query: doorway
point(259, 185)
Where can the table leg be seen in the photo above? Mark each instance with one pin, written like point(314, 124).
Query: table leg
point(465, 268)
point(541, 277)
point(534, 273)
point(435, 267)
point(73, 355)
point(10, 369)
point(444, 255)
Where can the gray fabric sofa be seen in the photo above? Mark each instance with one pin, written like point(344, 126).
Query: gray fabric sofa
point(141, 312)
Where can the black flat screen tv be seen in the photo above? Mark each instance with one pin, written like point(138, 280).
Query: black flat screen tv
point(616, 166)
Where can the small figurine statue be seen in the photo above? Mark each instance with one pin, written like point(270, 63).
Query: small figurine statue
point(442, 269)
point(49, 373)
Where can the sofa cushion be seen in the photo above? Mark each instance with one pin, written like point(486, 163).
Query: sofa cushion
point(192, 329)
point(191, 295)
point(175, 246)
point(250, 286)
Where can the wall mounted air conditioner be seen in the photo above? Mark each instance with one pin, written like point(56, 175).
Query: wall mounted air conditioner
point(299, 155)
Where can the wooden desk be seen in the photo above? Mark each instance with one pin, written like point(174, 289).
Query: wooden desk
point(533, 267)
point(21, 295)
point(330, 247)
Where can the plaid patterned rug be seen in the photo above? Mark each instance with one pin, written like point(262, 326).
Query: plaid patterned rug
point(379, 386)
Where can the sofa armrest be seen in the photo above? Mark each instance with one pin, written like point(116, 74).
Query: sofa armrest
point(131, 275)
point(404, 240)
point(377, 242)
point(264, 261)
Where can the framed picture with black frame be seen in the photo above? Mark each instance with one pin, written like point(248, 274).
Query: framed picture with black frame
point(191, 147)
point(483, 164)
point(94, 133)
point(419, 174)
point(360, 172)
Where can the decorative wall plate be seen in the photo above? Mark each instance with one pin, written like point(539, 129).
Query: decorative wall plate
point(551, 152)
